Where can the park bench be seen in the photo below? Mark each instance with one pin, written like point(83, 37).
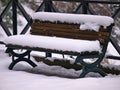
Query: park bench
point(84, 36)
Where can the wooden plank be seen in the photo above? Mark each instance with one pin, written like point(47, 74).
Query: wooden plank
point(67, 35)
point(78, 33)
point(64, 26)
point(65, 30)
point(74, 26)
point(52, 50)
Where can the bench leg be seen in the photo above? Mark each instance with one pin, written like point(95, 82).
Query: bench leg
point(20, 57)
point(90, 67)
point(95, 69)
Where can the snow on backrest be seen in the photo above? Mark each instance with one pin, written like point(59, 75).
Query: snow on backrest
point(86, 21)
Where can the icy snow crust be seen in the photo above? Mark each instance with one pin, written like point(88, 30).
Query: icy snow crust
point(94, 20)
point(56, 43)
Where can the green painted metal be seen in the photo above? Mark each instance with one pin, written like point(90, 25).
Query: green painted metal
point(19, 58)
point(94, 67)
point(11, 66)
point(91, 67)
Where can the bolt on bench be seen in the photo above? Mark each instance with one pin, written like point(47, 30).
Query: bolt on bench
point(84, 36)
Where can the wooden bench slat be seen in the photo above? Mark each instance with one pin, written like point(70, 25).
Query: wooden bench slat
point(67, 35)
point(70, 30)
point(73, 31)
point(62, 27)
point(56, 25)
point(52, 50)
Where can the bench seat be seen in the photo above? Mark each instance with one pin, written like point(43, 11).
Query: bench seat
point(51, 44)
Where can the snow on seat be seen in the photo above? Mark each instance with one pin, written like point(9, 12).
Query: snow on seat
point(54, 43)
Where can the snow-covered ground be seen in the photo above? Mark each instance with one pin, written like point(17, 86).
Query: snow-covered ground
point(23, 77)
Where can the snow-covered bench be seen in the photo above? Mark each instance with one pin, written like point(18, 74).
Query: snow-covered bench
point(85, 36)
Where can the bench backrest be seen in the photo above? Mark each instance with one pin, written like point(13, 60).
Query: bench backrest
point(68, 31)
point(68, 26)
